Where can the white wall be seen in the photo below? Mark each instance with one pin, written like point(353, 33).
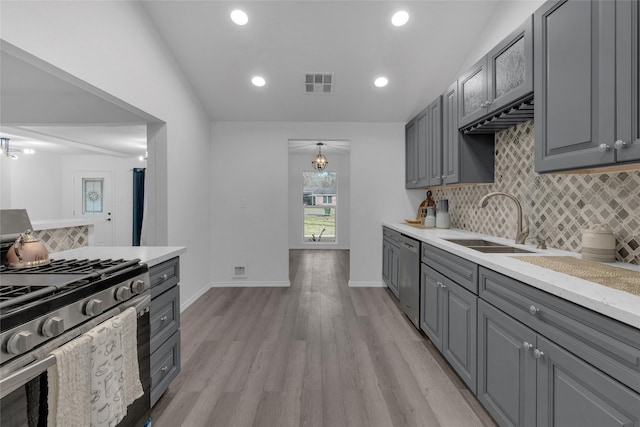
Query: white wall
point(338, 163)
point(33, 183)
point(249, 160)
point(114, 46)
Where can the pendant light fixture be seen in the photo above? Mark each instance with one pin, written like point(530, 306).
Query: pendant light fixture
point(320, 161)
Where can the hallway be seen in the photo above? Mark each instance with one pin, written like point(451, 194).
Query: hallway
point(316, 354)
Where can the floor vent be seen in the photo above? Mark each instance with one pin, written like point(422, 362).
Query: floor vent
point(318, 83)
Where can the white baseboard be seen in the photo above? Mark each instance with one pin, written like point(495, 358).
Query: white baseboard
point(248, 284)
point(353, 284)
point(194, 298)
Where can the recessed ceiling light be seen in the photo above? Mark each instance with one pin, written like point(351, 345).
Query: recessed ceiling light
point(258, 81)
point(29, 151)
point(381, 82)
point(239, 17)
point(400, 18)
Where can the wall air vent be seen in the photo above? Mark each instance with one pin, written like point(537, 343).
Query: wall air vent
point(318, 83)
point(239, 272)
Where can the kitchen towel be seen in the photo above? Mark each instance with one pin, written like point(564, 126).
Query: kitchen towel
point(115, 378)
point(70, 384)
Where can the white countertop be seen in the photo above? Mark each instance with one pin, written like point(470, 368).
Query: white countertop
point(610, 302)
point(61, 223)
point(150, 255)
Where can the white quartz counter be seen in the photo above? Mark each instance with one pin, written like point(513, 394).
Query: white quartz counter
point(616, 304)
point(151, 255)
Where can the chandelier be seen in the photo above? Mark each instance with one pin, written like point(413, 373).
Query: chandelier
point(320, 161)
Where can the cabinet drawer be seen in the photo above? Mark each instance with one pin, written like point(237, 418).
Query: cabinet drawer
point(165, 316)
point(391, 235)
point(607, 344)
point(165, 366)
point(163, 276)
point(461, 271)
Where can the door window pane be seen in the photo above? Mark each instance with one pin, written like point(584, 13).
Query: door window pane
point(319, 200)
point(92, 196)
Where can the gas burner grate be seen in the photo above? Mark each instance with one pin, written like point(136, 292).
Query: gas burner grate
point(67, 266)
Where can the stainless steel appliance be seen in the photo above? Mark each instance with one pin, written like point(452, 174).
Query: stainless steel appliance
point(410, 279)
point(44, 307)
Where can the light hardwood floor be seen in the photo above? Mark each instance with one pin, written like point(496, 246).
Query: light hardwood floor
point(316, 354)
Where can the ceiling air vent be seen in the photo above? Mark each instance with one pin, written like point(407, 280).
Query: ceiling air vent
point(318, 83)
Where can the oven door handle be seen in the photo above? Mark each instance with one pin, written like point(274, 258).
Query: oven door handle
point(29, 372)
point(141, 303)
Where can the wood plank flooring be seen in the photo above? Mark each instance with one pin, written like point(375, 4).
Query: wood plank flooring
point(316, 354)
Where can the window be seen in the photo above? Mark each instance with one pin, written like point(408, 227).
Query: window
point(92, 196)
point(319, 200)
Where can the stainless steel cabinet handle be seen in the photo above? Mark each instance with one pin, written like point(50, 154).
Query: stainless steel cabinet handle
point(533, 310)
point(603, 147)
point(527, 346)
point(164, 369)
point(163, 318)
point(165, 277)
point(538, 353)
point(619, 144)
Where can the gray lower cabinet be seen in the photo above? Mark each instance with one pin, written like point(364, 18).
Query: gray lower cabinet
point(448, 317)
point(391, 260)
point(543, 361)
point(164, 325)
point(586, 84)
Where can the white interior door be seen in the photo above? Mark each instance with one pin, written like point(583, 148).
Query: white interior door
point(93, 198)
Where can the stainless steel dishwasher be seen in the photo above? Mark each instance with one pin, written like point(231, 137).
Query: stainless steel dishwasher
point(410, 279)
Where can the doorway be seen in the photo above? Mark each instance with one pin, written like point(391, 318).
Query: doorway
point(93, 195)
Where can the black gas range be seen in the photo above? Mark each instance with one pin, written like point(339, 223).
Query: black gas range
point(41, 303)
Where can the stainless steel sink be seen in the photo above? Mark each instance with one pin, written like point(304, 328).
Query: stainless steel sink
point(473, 242)
point(488, 247)
point(500, 250)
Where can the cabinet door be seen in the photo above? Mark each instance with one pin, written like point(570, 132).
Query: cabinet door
point(506, 368)
point(459, 331)
point(574, 84)
point(434, 142)
point(571, 392)
point(423, 151)
point(430, 305)
point(627, 81)
point(510, 68)
point(386, 260)
point(411, 155)
point(472, 96)
point(394, 271)
point(450, 136)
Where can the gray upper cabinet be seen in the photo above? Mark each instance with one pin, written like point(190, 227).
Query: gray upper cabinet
point(411, 154)
point(424, 130)
point(472, 97)
point(499, 80)
point(465, 158)
point(434, 142)
point(586, 84)
point(627, 144)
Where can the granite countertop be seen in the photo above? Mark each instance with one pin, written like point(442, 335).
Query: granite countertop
point(150, 255)
point(619, 305)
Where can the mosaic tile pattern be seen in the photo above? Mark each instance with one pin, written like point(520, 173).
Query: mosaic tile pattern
point(558, 206)
point(62, 239)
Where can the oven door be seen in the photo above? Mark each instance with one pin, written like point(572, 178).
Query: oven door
point(25, 393)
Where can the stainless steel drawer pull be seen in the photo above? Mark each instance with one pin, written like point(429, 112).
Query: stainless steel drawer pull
point(538, 353)
point(533, 310)
point(164, 369)
point(441, 285)
point(619, 144)
point(165, 277)
point(527, 346)
point(163, 318)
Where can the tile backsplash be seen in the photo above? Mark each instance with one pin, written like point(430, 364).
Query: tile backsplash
point(61, 239)
point(559, 206)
